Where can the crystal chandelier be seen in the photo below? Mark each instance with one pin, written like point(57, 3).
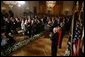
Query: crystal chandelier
point(50, 3)
point(12, 3)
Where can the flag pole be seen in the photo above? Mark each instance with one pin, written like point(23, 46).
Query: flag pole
point(72, 26)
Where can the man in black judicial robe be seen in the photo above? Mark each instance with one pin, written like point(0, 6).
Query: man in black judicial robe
point(2, 20)
point(28, 31)
point(7, 26)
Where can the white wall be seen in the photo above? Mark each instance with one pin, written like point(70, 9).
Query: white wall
point(33, 4)
point(18, 11)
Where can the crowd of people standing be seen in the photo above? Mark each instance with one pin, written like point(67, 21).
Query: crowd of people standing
point(31, 26)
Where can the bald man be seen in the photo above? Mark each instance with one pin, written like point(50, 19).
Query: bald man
point(54, 42)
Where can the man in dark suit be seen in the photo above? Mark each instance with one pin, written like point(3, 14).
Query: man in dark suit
point(54, 42)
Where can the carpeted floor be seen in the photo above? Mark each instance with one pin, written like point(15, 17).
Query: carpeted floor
point(40, 47)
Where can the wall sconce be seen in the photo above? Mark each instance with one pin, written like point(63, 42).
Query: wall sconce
point(10, 3)
point(3, 8)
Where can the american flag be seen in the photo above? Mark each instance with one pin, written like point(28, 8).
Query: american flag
point(76, 37)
